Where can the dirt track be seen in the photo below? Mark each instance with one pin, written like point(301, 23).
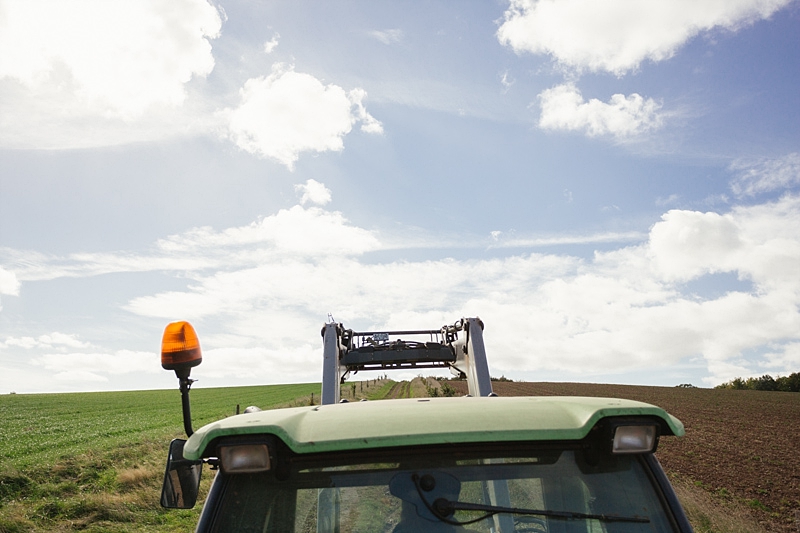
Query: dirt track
point(740, 445)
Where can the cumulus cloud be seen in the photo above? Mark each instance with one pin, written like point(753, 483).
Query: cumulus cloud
point(765, 175)
point(314, 192)
point(564, 108)
point(621, 310)
point(687, 244)
point(272, 44)
point(287, 113)
point(760, 243)
point(618, 35)
point(272, 282)
point(112, 59)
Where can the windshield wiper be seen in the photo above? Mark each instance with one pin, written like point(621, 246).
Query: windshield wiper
point(443, 509)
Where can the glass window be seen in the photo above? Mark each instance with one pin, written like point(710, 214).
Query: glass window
point(561, 491)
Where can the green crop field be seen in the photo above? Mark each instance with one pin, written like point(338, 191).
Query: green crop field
point(94, 461)
point(40, 428)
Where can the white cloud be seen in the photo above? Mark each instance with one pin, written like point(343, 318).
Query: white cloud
point(784, 357)
point(290, 233)
point(688, 244)
point(9, 284)
point(21, 342)
point(48, 341)
point(501, 240)
point(760, 243)
point(97, 367)
point(390, 36)
point(272, 44)
point(264, 289)
point(296, 231)
point(314, 192)
point(563, 108)
point(765, 175)
point(618, 35)
point(506, 80)
point(287, 113)
point(107, 59)
point(623, 310)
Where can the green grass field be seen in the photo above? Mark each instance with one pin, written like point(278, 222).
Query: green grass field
point(94, 461)
point(41, 428)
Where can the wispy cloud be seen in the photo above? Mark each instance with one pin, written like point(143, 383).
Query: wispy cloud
point(765, 175)
point(390, 36)
point(501, 240)
point(289, 233)
point(506, 80)
point(48, 341)
point(97, 366)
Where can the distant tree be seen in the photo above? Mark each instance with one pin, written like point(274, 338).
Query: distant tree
point(790, 383)
point(765, 382)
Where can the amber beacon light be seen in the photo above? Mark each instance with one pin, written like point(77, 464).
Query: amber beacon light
point(180, 351)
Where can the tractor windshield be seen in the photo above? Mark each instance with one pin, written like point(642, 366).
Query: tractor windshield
point(451, 489)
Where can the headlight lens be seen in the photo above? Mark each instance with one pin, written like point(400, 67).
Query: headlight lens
point(244, 458)
point(634, 439)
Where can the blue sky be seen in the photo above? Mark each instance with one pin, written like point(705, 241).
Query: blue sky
point(613, 187)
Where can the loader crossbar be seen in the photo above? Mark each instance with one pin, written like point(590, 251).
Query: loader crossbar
point(347, 351)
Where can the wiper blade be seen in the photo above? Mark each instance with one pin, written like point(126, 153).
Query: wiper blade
point(444, 508)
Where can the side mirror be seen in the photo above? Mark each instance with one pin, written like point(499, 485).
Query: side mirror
point(181, 479)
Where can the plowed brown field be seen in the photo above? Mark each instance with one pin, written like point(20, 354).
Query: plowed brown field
point(742, 446)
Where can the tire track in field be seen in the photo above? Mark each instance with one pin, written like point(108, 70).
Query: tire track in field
point(398, 390)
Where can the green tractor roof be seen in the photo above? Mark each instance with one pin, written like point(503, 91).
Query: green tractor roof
point(411, 422)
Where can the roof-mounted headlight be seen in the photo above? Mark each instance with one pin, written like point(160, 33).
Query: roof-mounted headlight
point(634, 439)
point(244, 458)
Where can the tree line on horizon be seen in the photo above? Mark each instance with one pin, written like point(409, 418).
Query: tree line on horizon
point(790, 383)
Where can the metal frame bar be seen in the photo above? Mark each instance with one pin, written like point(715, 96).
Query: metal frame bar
point(469, 351)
